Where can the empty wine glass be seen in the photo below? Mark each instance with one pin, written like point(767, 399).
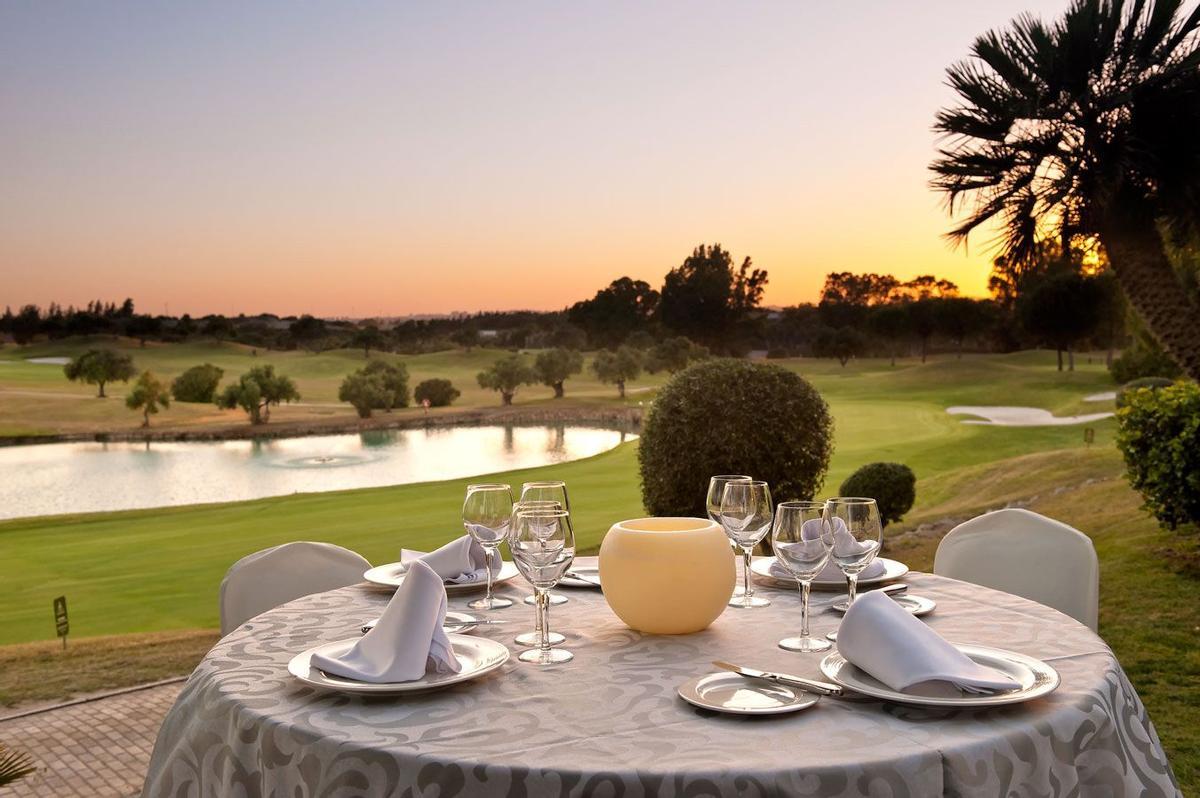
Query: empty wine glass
point(802, 541)
point(857, 536)
point(712, 502)
point(746, 518)
point(534, 638)
point(543, 547)
point(549, 490)
point(487, 516)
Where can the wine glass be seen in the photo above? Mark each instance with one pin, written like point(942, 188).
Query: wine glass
point(802, 541)
point(857, 537)
point(712, 502)
point(534, 638)
point(543, 547)
point(746, 518)
point(554, 490)
point(487, 516)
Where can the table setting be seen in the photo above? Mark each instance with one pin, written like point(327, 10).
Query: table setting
point(668, 670)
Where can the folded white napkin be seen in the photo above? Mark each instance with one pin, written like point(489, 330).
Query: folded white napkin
point(407, 642)
point(460, 562)
point(885, 640)
point(842, 541)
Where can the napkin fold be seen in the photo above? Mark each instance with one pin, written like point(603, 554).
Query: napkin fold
point(842, 541)
point(885, 640)
point(460, 562)
point(407, 642)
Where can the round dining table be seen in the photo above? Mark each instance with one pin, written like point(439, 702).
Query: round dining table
point(610, 722)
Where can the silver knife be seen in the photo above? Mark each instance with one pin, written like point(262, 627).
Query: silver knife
point(369, 625)
point(811, 685)
point(580, 578)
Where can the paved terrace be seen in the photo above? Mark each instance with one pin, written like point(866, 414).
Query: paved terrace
point(98, 747)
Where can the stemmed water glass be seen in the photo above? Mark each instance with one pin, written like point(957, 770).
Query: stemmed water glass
point(857, 537)
point(555, 491)
point(802, 541)
point(746, 518)
point(543, 547)
point(716, 489)
point(534, 638)
point(487, 516)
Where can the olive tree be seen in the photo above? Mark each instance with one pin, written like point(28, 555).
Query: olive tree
point(149, 395)
point(99, 367)
point(257, 391)
point(554, 366)
point(616, 368)
point(506, 375)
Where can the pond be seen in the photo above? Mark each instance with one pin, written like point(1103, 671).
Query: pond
point(49, 479)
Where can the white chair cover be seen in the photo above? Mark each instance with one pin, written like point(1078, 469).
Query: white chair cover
point(1028, 555)
point(265, 579)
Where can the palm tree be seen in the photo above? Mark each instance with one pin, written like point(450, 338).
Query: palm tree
point(1087, 128)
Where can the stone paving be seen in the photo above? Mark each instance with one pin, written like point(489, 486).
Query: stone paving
point(98, 748)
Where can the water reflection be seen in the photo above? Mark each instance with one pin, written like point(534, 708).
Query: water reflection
point(82, 477)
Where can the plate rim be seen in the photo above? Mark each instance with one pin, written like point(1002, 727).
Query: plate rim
point(299, 665)
point(581, 585)
point(929, 605)
point(774, 581)
point(693, 699)
point(502, 576)
point(962, 702)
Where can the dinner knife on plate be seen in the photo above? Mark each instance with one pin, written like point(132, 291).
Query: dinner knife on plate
point(809, 685)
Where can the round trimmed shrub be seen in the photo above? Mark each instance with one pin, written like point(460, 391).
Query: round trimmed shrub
point(1143, 360)
point(439, 392)
point(1158, 432)
point(893, 486)
point(197, 384)
point(1128, 388)
point(732, 417)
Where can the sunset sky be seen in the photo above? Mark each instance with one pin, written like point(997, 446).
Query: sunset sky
point(390, 158)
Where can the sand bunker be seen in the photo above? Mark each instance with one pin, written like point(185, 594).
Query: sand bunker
point(1020, 416)
point(1106, 396)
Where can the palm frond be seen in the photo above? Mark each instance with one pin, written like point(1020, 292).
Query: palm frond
point(14, 765)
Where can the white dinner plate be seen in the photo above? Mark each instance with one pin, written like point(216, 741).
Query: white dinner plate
point(737, 695)
point(1035, 677)
point(392, 574)
point(761, 567)
point(589, 572)
point(916, 605)
point(476, 655)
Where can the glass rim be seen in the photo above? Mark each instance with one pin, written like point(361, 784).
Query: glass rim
point(732, 477)
point(752, 482)
point(808, 504)
point(531, 503)
point(850, 500)
point(489, 486)
point(544, 483)
point(529, 512)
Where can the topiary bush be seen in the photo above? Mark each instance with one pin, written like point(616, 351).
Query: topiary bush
point(1154, 383)
point(893, 486)
point(732, 417)
point(1159, 435)
point(438, 391)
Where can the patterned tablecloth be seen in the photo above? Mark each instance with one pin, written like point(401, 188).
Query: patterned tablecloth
point(610, 723)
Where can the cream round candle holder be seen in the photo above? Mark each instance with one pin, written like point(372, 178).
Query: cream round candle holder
point(667, 576)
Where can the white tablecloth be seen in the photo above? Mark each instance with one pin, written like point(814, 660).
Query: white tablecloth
point(610, 723)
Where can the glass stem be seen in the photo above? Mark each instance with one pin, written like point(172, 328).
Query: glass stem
point(747, 591)
point(487, 558)
point(543, 606)
point(804, 588)
point(851, 588)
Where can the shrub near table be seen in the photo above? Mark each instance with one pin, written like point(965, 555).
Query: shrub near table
point(1159, 435)
point(733, 417)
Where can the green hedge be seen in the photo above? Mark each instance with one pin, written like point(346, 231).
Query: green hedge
point(1159, 435)
point(893, 486)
